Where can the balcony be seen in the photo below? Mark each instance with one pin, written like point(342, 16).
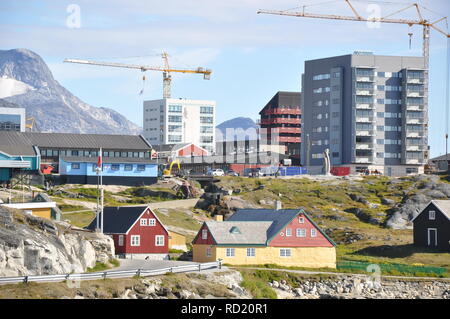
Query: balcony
point(364, 146)
point(415, 161)
point(415, 80)
point(365, 92)
point(365, 106)
point(365, 78)
point(415, 134)
point(416, 148)
point(365, 132)
point(278, 111)
point(415, 120)
point(416, 107)
point(279, 121)
point(365, 119)
point(290, 130)
point(415, 93)
point(363, 159)
point(288, 139)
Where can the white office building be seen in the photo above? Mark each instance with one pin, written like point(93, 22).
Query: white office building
point(12, 119)
point(174, 121)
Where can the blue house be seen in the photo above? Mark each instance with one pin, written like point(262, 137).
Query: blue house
point(116, 171)
point(17, 158)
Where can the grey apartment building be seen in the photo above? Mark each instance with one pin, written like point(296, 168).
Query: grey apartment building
point(369, 110)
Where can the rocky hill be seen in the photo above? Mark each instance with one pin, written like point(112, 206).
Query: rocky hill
point(34, 246)
point(26, 81)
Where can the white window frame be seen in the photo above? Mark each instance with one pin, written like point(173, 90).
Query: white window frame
point(252, 252)
point(157, 238)
point(313, 232)
point(204, 234)
point(288, 232)
point(121, 240)
point(285, 252)
point(432, 215)
point(152, 222)
point(230, 252)
point(298, 230)
point(135, 240)
point(208, 252)
point(301, 220)
point(143, 222)
point(436, 238)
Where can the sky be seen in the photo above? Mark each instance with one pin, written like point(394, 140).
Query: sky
point(252, 56)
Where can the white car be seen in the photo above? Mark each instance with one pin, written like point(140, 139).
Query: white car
point(216, 172)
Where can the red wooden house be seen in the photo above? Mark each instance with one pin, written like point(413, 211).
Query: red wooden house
point(137, 232)
point(287, 237)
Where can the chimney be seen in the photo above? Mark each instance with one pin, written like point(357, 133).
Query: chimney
point(278, 205)
point(218, 218)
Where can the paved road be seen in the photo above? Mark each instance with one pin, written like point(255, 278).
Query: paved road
point(132, 264)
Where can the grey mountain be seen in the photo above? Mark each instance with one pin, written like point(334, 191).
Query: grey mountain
point(244, 128)
point(53, 107)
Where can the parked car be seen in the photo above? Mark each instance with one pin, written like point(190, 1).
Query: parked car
point(232, 173)
point(216, 172)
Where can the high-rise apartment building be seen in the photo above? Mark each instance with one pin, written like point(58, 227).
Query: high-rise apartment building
point(370, 111)
point(174, 121)
point(282, 117)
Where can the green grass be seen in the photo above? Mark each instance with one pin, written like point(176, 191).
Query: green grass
point(98, 267)
point(81, 219)
point(257, 286)
point(70, 208)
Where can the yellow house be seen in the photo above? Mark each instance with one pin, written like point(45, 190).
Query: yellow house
point(177, 241)
point(265, 236)
point(39, 209)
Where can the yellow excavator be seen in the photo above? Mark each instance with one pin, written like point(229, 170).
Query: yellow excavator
point(168, 172)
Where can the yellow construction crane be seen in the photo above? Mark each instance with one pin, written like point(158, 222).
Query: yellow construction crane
point(166, 69)
point(421, 21)
point(31, 124)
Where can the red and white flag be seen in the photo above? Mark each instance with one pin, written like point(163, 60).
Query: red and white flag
point(99, 160)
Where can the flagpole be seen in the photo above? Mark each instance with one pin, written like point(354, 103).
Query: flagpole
point(101, 188)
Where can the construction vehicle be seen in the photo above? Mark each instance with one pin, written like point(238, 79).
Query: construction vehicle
point(166, 69)
point(168, 172)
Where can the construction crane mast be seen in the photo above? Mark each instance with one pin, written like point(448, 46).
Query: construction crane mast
point(166, 69)
point(421, 21)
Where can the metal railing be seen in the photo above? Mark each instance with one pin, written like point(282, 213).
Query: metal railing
point(111, 274)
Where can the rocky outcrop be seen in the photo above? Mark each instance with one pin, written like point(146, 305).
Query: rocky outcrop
point(31, 245)
point(425, 189)
point(359, 287)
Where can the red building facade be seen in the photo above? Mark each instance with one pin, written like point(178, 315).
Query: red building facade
point(281, 122)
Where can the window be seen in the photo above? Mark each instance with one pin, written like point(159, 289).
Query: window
point(175, 128)
point(301, 232)
point(175, 138)
point(204, 234)
point(206, 110)
point(288, 232)
point(285, 252)
point(206, 120)
point(175, 108)
point(74, 153)
point(128, 167)
point(431, 215)
point(206, 139)
point(175, 118)
point(301, 220)
point(321, 76)
point(141, 168)
point(208, 252)
point(75, 165)
point(135, 240)
point(159, 240)
point(206, 129)
point(251, 252)
point(230, 252)
point(115, 167)
point(152, 222)
point(143, 222)
point(412, 170)
point(120, 240)
point(313, 232)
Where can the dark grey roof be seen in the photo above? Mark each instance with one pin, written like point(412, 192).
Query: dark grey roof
point(169, 147)
point(440, 158)
point(107, 160)
point(444, 206)
point(71, 140)
point(16, 149)
point(279, 218)
point(118, 220)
